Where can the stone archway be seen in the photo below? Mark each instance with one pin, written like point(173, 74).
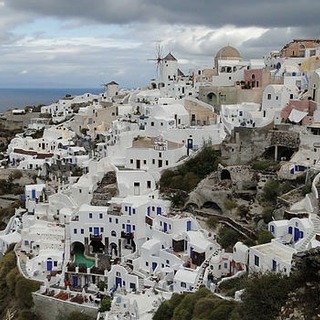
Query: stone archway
point(213, 206)
point(212, 98)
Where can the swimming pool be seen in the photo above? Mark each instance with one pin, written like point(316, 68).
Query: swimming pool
point(81, 259)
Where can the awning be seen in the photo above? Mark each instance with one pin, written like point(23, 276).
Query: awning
point(296, 115)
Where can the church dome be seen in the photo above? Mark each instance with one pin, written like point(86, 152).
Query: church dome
point(228, 53)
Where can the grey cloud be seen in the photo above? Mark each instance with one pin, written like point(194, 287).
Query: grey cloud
point(272, 13)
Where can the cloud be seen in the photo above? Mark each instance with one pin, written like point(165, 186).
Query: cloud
point(85, 43)
point(212, 13)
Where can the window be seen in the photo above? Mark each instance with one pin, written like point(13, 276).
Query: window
point(90, 229)
point(101, 229)
point(100, 215)
point(269, 96)
point(147, 263)
point(225, 265)
point(131, 161)
point(153, 161)
point(183, 285)
point(117, 220)
point(82, 231)
point(148, 184)
point(144, 161)
point(90, 215)
point(55, 263)
point(152, 124)
point(133, 211)
point(160, 155)
point(256, 261)
point(272, 229)
point(75, 231)
point(118, 274)
point(123, 226)
point(133, 227)
point(113, 233)
point(110, 220)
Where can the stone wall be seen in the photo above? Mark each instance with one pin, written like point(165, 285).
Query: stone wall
point(244, 145)
point(49, 308)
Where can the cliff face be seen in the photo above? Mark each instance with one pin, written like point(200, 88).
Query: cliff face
point(304, 302)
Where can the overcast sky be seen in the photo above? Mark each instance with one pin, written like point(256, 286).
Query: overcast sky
point(77, 43)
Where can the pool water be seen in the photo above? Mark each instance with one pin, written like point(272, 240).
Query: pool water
point(81, 259)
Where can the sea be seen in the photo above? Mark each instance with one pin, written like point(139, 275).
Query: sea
point(20, 98)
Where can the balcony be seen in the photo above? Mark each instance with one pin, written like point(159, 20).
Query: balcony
point(127, 235)
point(96, 237)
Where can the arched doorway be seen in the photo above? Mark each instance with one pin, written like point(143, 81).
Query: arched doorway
point(212, 98)
point(113, 249)
point(96, 244)
point(225, 174)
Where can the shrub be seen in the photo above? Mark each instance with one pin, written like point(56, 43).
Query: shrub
point(264, 296)
point(228, 237)
point(16, 174)
point(105, 305)
point(264, 236)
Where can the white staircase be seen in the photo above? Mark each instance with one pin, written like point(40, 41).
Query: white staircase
point(304, 243)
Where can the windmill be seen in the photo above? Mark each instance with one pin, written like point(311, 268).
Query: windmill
point(158, 59)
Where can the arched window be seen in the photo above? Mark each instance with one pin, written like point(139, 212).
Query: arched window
point(113, 233)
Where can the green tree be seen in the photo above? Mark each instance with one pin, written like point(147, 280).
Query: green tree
point(271, 190)
point(267, 213)
point(228, 237)
point(23, 291)
point(264, 236)
point(264, 295)
point(105, 305)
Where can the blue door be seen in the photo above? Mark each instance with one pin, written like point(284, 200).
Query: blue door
point(165, 227)
point(296, 234)
point(274, 265)
point(49, 265)
point(148, 211)
point(74, 281)
point(118, 282)
point(33, 194)
point(96, 231)
point(128, 228)
point(188, 225)
point(154, 265)
point(158, 210)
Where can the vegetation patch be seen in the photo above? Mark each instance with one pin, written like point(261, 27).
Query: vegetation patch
point(187, 176)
